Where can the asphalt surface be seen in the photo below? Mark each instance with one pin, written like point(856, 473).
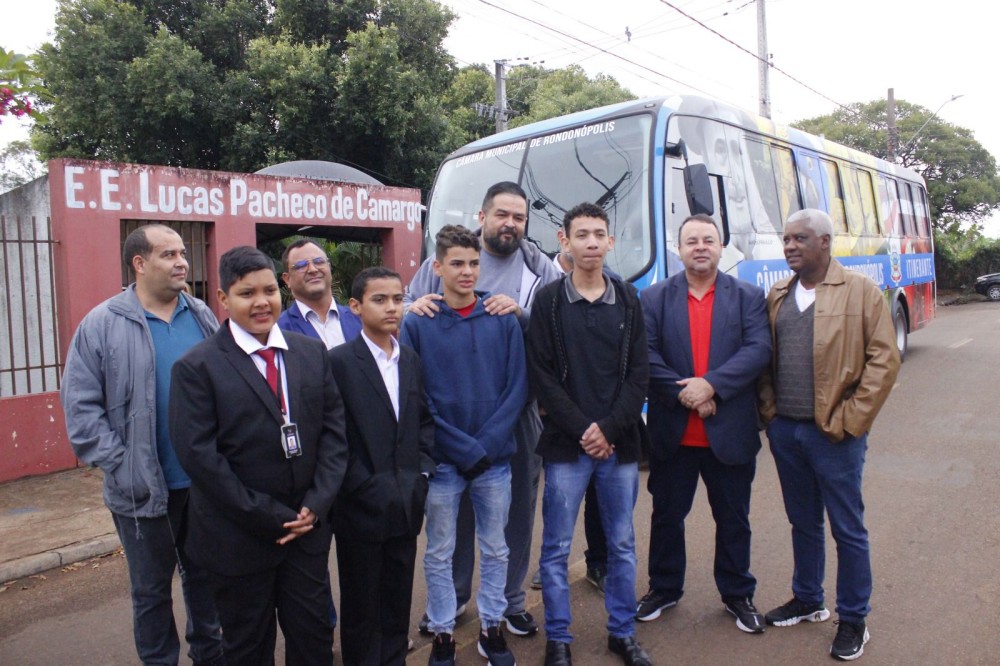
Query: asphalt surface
point(933, 513)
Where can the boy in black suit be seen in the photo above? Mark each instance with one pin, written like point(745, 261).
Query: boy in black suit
point(258, 424)
point(380, 508)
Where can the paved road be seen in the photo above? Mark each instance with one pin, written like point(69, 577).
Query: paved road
point(933, 512)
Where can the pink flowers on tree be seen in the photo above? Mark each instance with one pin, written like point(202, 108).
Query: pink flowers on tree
point(18, 82)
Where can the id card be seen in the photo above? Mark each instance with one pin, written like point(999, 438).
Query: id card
point(290, 440)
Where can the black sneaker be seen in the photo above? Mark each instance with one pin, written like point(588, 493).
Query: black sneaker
point(850, 641)
point(748, 618)
point(442, 651)
point(796, 611)
point(424, 626)
point(521, 624)
point(596, 576)
point(493, 646)
point(557, 654)
point(651, 605)
point(629, 650)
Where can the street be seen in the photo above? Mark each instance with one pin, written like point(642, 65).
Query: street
point(933, 513)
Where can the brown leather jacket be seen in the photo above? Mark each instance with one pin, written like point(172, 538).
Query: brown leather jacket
point(855, 360)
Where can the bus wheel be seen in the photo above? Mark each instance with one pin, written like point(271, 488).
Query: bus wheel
point(899, 326)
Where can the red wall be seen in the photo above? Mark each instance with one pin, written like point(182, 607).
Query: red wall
point(33, 436)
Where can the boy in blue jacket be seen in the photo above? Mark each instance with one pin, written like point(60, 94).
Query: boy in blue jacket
point(475, 377)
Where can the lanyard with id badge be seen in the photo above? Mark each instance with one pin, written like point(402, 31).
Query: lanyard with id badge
point(289, 431)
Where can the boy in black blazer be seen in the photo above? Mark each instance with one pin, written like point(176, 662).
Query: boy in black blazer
point(380, 508)
point(258, 424)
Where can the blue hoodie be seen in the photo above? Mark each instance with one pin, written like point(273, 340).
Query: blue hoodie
point(476, 380)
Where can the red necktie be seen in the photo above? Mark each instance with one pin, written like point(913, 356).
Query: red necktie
point(272, 370)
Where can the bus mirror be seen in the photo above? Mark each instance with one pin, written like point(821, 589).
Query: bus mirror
point(698, 189)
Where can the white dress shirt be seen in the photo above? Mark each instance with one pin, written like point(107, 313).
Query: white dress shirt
point(388, 367)
point(330, 331)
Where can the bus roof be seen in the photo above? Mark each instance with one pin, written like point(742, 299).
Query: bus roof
point(698, 106)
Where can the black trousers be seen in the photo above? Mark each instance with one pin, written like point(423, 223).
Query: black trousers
point(295, 594)
point(672, 483)
point(376, 589)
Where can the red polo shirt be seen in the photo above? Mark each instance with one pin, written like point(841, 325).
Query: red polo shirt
point(700, 320)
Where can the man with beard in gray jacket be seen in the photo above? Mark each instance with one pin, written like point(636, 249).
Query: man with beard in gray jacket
point(115, 391)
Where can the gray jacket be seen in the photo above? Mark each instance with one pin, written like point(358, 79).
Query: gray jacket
point(109, 397)
point(540, 271)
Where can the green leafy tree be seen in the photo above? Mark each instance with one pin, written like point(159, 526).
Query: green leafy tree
point(241, 84)
point(18, 165)
point(963, 185)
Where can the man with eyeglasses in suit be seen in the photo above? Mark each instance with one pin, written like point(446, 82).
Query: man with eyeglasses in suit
point(313, 312)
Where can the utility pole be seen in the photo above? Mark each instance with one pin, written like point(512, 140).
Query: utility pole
point(890, 113)
point(500, 95)
point(763, 62)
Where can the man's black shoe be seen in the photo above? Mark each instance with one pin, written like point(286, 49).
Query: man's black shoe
point(629, 650)
point(651, 605)
point(557, 654)
point(850, 641)
point(521, 624)
point(424, 626)
point(442, 651)
point(748, 618)
point(795, 611)
point(596, 577)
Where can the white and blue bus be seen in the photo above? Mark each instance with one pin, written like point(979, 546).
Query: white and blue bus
point(651, 163)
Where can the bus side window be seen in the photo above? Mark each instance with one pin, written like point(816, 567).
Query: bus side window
point(855, 217)
point(788, 190)
point(834, 195)
point(889, 200)
point(810, 182)
point(923, 219)
point(868, 201)
point(763, 180)
point(906, 206)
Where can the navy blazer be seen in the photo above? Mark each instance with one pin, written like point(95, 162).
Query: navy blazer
point(384, 487)
point(739, 350)
point(292, 320)
point(225, 425)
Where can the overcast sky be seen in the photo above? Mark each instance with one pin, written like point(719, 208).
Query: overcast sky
point(824, 53)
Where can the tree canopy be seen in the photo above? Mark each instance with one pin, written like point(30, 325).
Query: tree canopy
point(242, 84)
point(963, 186)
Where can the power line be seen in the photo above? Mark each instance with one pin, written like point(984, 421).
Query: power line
point(756, 57)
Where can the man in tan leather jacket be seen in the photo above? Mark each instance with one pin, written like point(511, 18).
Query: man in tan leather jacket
point(835, 362)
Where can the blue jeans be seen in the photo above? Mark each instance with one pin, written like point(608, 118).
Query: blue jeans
point(817, 474)
point(152, 554)
point(490, 494)
point(525, 469)
point(617, 489)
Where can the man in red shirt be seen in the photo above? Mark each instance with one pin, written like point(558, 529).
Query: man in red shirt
point(708, 342)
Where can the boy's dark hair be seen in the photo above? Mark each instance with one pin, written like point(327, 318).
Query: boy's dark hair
point(586, 209)
point(138, 244)
point(454, 235)
point(503, 187)
point(239, 261)
point(297, 244)
point(361, 280)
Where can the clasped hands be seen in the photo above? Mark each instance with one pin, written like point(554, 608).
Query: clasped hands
point(697, 395)
point(302, 524)
point(595, 444)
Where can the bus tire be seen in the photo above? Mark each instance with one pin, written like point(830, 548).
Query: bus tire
point(899, 327)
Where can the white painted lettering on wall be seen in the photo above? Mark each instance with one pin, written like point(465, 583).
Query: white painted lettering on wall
point(146, 192)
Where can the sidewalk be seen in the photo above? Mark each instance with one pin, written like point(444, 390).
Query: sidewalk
point(51, 521)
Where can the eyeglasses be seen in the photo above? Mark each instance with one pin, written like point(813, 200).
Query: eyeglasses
point(318, 262)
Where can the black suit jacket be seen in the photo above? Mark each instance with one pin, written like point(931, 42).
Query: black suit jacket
point(225, 425)
point(384, 488)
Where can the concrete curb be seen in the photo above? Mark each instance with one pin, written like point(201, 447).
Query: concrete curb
point(60, 557)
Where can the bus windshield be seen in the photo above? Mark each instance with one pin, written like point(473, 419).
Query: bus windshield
point(605, 162)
